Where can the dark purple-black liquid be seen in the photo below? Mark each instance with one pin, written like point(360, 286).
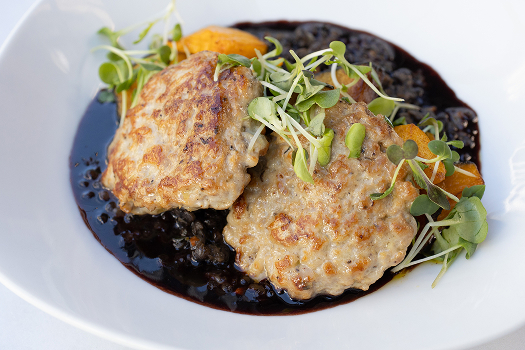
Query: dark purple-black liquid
point(183, 253)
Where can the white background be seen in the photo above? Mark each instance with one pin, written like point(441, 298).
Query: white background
point(22, 326)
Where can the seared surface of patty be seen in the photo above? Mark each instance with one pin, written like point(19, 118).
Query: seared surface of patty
point(325, 237)
point(185, 143)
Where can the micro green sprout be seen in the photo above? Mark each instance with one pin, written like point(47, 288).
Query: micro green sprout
point(466, 227)
point(296, 82)
point(397, 155)
point(123, 69)
point(409, 153)
point(225, 62)
point(338, 50)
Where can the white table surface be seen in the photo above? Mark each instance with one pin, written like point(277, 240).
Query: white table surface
point(23, 326)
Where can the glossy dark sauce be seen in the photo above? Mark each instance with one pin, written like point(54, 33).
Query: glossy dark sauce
point(183, 253)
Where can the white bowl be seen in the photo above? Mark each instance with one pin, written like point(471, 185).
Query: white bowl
point(47, 256)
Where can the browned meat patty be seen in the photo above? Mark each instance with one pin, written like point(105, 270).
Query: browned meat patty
point(325, 237)
point(185, 143)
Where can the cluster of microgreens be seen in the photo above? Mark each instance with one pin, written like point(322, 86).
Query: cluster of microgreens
point(296, 79)
point(128, 67)
point(467, 224)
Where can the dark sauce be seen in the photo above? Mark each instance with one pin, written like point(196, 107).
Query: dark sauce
point(183, 253)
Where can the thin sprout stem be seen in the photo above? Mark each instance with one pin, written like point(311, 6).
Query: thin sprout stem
point(337, 84)
point(368, 82)
point(266, 65)
point(255, 136)
point(433, 256)
point(296, 139)
point(416, 247)
point(436, 130)
point(397, 171)
point(271, 127)
point(186, 51)
point(434, 173)
point(400, 105)
point(407, 105)
point(348, 97)
point(317, 63)
point(394, 112)
point(304, 132)
point(273, 87)
point(139, 52)
point(124, 102)
point(314, 54)
point(278, 98)
point(294, 84)
point(451, 196)
point(167, 19)
point(433, 160)
point(442, 272)
point(140, 60)
point(312, 159)
point(464, 172)
point(333, 70)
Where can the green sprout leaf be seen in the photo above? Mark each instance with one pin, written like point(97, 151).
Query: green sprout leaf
point(410, 149)
point(381, 106)
point(378, 196)
point(338, 48)
point(145, 32)
point(354, 139)
point(324, 152)
point(229, 61)
point(440, 149)
point(263, 108)
point(324, 99)
point(395, 154)
point(423, 205)
point(469, 220)
point(300, 166)
point(435, 194)
point(278, 47)
point(150, 66)
point(456, 143)
point(316, 126)
point(111, 35)
point(106, 96)
point(176, 32)
point(474, 191)
point(449, 163)
point(110, 73)
point(164, 54)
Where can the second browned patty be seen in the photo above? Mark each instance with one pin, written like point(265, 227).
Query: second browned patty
point(325, 237)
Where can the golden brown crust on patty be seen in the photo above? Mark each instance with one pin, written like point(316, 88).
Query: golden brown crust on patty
point(329, 236)
point(185, 143)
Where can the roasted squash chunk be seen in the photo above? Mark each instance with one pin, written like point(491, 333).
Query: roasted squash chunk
point(457, 182)
point(222, 40)
point(412, 132)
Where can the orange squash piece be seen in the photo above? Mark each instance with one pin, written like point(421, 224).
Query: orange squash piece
point(222, 40)
point(457, 182)
point(412, 132)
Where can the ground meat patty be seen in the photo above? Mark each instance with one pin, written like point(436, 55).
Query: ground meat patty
point(185, 143)
point(329, 236)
